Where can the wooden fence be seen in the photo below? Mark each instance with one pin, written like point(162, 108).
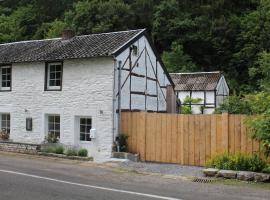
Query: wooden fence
point(185, 139)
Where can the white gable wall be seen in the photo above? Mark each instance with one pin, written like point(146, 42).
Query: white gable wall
point(147, 66)
point(87, 91)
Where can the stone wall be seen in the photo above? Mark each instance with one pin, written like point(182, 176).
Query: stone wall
point(19, 147)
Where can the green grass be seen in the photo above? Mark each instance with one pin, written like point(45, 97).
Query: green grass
point(235, 182)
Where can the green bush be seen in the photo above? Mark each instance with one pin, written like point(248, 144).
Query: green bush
point(123, 142)
point(71, 152)
point(83, 153)
point(49, 149)
point(238, 161)
point(59, 149)
point(266, 169)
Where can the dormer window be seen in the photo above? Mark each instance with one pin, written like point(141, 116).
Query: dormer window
point(5, 78)
point(54, 72)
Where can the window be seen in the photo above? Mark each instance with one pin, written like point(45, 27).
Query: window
point(54, 126)
point(5, 122)
point(135, 50)
point(85, 127)
point(5, 76)
point(54, 76)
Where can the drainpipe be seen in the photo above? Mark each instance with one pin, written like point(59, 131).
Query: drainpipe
point(119, 96)
point(117, 67)
point(114, 98)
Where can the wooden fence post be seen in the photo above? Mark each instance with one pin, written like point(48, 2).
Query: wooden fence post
point(225, 132)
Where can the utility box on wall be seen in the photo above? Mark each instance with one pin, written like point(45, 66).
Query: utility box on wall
point(29, 124)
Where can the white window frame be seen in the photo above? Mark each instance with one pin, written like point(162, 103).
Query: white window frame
point(48, 87)
point(48, 122)
point(1, 68)
point(1, 117)
point(85, 132)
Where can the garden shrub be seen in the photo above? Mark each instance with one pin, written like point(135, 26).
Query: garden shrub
point(266, 169)
point(71, 152)
point(83, 153)
point(49, 149)
point(123, 142)
point(59, 149)
point(238, 161)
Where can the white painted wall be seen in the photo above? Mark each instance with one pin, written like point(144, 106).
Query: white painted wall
point(87, 89)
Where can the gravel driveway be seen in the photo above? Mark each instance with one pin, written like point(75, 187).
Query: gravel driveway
point(161, 168)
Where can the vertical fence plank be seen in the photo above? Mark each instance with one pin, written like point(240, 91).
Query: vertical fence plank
point(191, 140)
point(141, 135)
point(202, 140)
point(220, 146)
point(213, 135)
point(243, 136)
point(237, 133)
point(179, 139)
point(158, 137)
point(174, 138)
point(164, 138)
point(148, 137)
point(231, 134)
point(225, 131)
point(195, 141)
point(169, 138)
point(185, 139)
point(207, 137)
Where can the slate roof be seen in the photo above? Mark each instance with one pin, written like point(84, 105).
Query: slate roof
point(86, 46)
point(196, 81)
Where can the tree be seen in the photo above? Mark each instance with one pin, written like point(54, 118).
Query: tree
point(99, 16)
point(177, 61)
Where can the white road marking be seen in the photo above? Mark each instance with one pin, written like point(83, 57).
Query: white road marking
point(89, 186)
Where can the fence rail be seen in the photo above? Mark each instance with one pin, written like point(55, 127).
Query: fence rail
point(185, 139)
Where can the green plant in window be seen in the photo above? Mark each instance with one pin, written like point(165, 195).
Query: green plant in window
point(4, 135)
point(185, 107)
point(51, 138)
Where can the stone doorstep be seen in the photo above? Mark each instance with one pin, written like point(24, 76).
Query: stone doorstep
point(240, 175)
point(125, 155)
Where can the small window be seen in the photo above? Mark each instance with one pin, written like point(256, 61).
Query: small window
point(54, 126)
point(5, 122)
point(135, 50)
point(85, 127)
point(54, 76)
point(5, 76)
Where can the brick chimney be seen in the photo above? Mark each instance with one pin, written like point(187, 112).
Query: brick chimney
point(68, 34)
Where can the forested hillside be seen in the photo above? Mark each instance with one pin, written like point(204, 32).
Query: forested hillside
point(193, 35)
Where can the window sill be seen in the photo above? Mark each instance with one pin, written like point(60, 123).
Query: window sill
point(5, 89)
point(85, 142)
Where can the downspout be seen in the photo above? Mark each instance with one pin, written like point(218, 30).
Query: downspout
point(119, 95)
point(114, 98)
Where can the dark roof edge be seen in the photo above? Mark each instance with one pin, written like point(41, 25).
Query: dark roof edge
point(136, 37)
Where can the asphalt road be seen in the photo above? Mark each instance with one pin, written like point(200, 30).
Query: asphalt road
point(30, 177)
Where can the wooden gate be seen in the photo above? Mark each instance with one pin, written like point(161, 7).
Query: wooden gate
point(185, 139)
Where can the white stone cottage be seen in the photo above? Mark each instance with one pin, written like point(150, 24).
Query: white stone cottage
point(69, 85)
point(210, 87)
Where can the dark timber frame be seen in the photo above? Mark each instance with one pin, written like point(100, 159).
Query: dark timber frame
point(148, 65)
